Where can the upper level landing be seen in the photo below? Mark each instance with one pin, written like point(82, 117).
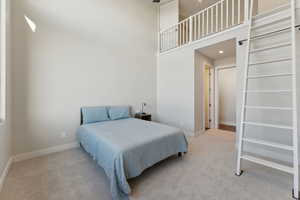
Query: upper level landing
point(218, 16)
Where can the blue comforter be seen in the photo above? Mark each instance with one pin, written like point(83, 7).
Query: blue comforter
point(125, 148)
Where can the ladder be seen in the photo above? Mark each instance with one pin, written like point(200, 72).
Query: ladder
point(242, 139)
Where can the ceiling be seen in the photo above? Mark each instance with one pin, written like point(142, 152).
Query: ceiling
point(229, 48)
point(191, 7)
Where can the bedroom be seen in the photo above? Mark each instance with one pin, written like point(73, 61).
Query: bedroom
point(59, 56)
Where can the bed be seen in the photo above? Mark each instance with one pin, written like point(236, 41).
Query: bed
point(125, 147)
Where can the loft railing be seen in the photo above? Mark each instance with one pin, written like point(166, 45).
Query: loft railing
point(216, 18)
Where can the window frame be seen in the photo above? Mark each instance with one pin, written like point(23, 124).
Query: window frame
point(3, 58)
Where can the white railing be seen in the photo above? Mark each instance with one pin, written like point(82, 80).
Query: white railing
point(215, 18)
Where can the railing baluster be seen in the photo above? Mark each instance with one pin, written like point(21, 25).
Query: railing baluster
point(246, 10)
point(227, 13)
point(178, 34)
point(187, 31)
point(191, 31)
point(194, 27)
point(160, 41)
point(202, 23)
point(222, 15)
point(182, 36)
point(239, 11)
point(212, 20)
point(207, 19)
point(233, 13)
point(183, 32)
point(164, 41)
point(217, 18)
point(168, 40)
point(172, 37)
point(198, 26)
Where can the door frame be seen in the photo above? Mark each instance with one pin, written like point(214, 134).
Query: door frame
point(211, 96)
point(216, 91)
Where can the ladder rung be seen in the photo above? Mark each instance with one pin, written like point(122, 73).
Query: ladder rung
point(271, 33)
point(270, 75)
point(269, 108)
point(270, 61)
point(268, 163)
point(271, 23)
point(268, 91)
point(268, 125)
point(271, 47)
point(269, 144)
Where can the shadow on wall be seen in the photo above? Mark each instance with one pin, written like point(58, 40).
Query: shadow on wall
point(30, 23)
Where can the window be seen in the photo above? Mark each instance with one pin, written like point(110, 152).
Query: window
point(3, 59)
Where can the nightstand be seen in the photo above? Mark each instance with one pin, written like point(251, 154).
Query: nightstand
point(143, 116)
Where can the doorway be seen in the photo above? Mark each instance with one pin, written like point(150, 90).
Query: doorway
point(218, 85)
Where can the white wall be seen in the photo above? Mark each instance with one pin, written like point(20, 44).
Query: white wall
point(175, 90)
point(178, 91)
point(228, 61)
point(84, 53)
point(5, 129)
point(169, 14)
point(266, 5)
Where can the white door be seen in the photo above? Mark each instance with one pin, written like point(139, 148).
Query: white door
point(226, 96)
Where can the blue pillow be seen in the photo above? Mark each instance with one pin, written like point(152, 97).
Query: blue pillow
point(118, 112)
point(94, 114)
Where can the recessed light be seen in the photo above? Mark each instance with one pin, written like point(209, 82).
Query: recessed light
point(221, 52)
point(200, 1)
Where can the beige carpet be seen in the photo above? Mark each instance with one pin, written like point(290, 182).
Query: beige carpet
point(205, 173)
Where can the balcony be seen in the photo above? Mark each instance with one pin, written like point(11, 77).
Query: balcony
point(218, 17)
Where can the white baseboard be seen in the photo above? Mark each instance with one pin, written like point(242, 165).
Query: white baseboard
point(228, 123)
point(189, 133)
point(43, 152)
point(34, 154)
point(5, 172)
point(197, 133)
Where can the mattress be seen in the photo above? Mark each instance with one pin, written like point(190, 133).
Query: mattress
point(125, 148)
